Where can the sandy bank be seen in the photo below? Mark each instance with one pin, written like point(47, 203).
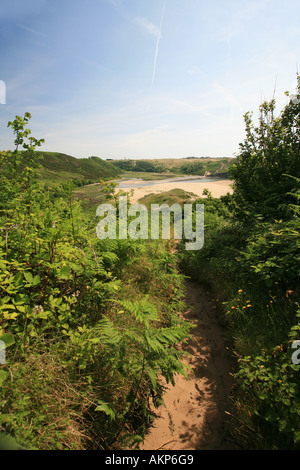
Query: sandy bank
point(218, 187)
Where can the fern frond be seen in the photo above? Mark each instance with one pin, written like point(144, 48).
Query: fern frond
point(108, 334)
point(143, 311)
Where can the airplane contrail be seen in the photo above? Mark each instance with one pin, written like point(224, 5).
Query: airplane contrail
point(156, 51)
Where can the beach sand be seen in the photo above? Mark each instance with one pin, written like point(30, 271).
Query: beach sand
point(218, 187)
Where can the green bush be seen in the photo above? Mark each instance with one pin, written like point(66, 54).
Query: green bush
point(250, 260)
point(87, 337)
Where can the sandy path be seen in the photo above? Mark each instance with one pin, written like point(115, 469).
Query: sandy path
point(218, 187)
point(193, 418)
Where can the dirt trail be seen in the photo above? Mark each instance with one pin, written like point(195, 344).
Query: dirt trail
point(193, 418)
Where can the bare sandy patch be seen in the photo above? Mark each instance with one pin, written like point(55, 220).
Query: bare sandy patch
point(195, 408)
point(217, 188)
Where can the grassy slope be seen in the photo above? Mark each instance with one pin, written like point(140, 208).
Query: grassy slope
point(59, 167)
point(174, 196)
point(215, 166)
point(178, 162)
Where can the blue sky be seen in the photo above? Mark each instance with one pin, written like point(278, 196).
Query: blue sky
point(144, 78)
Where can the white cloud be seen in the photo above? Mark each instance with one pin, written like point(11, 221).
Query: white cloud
point(147, 26)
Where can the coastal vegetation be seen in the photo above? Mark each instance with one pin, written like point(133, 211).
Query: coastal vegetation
point(178, 166)
point(92, 326)
point(89, 325)
point(251, 260)
point(61, 168)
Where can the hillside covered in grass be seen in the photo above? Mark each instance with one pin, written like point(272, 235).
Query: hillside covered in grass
point(59, 167)
point(218, 167)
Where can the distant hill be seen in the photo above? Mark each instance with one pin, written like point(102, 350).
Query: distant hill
point(184, 166)
point(59, 167)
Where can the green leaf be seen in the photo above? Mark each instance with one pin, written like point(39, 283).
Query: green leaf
point(8, 339)
point(31, 281)
point(3, 375)
point(28, 276)
point(36, 280)
point(18, 280)
point(64, 273)
point(106, 409)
